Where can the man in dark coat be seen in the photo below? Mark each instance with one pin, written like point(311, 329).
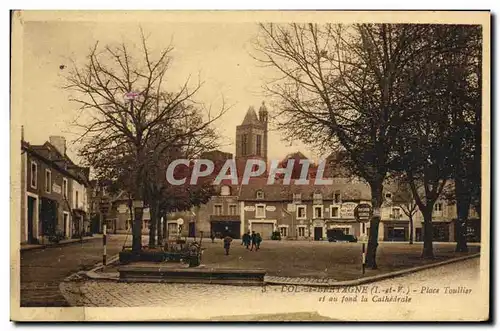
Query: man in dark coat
point(258, 240)
point(227, 243)
point(254, 241)
point(246, 239)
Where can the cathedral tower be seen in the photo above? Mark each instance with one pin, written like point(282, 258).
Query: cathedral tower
point(251, 135)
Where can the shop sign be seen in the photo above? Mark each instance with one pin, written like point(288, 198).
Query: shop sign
point(347, 209)
point(56, 188)
point(363, 212)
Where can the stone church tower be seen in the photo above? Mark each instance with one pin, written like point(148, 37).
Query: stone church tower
point(251, 135)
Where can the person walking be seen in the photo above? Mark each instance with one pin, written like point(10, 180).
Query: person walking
point(227, 243)
point(258, 240)
point(212, 236)
point(254, 241)
point(247, 239)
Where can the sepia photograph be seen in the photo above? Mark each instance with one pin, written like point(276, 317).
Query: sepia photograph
point(250, 166)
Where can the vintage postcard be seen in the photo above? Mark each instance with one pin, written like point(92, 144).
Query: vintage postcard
point(250, 166)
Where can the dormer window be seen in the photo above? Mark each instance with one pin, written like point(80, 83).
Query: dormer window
point(317, 196)
point(225, 190)
point(388, 195)
point(260, 194)
point(337, 198)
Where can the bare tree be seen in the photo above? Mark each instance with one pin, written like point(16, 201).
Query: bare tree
point(404, 199)
point(343, 87)
point(436, 144)
point(116, 127)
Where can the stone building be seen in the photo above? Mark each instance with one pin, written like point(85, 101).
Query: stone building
point(251, 135)
point(53, 192)
point(309, 212)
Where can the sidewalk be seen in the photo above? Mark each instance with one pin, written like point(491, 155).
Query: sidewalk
point(29, 247)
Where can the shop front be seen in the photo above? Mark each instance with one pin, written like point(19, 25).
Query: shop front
point(48, 217)
point(347, 227)
point(396, 231)
point(441, 231)
point(224, 225)
point(473, 229)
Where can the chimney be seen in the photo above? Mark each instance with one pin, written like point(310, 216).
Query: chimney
point(59, 143)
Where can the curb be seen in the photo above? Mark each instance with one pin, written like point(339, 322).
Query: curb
point(92, 274)
point(376, 278)
point(76, 241)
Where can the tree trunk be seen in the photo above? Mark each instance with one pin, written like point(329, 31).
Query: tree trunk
point(411, 230)
point(463, 205)
point(137, 230)
point(428, 252)
point(371, 252)
point(165, 234)
point(152, 224)
point(160, 229)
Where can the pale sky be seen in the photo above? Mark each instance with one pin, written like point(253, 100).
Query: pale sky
point(219, 53)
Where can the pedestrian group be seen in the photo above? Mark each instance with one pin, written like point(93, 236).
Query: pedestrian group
point(250, 241)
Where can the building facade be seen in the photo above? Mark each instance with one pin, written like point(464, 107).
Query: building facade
point(49, 202)
point(310, 212)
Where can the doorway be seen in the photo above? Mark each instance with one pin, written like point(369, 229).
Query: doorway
point(66, 224)
point(192, 230)
point(48, 215)
point(224, 228)
point(31, 220)
point(318, 233)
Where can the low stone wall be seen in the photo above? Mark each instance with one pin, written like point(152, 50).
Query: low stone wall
point(160, 274)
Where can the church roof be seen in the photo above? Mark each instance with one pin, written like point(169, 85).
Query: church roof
point(250, 117)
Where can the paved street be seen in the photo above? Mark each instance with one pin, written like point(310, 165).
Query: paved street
point(194, 301)
point(42, 270)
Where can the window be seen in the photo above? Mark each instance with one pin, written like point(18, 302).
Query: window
point(217, 209)
point(260, 211)
point(396, 213)
point(65, 188)
point(48, 180)
point(225, 190)
point(335, 211)
point(244, 144)
point(260, 194)
point(301, 212)
point(336, 197)
point(76, 199)
point(318, 211)
point(388, 195)
point(259, 145)
point(297, 197)
point(34, 174)
point(438, 206)
point(301, 231)
point(232, 210)
point(283, 231)
point(344, 230)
